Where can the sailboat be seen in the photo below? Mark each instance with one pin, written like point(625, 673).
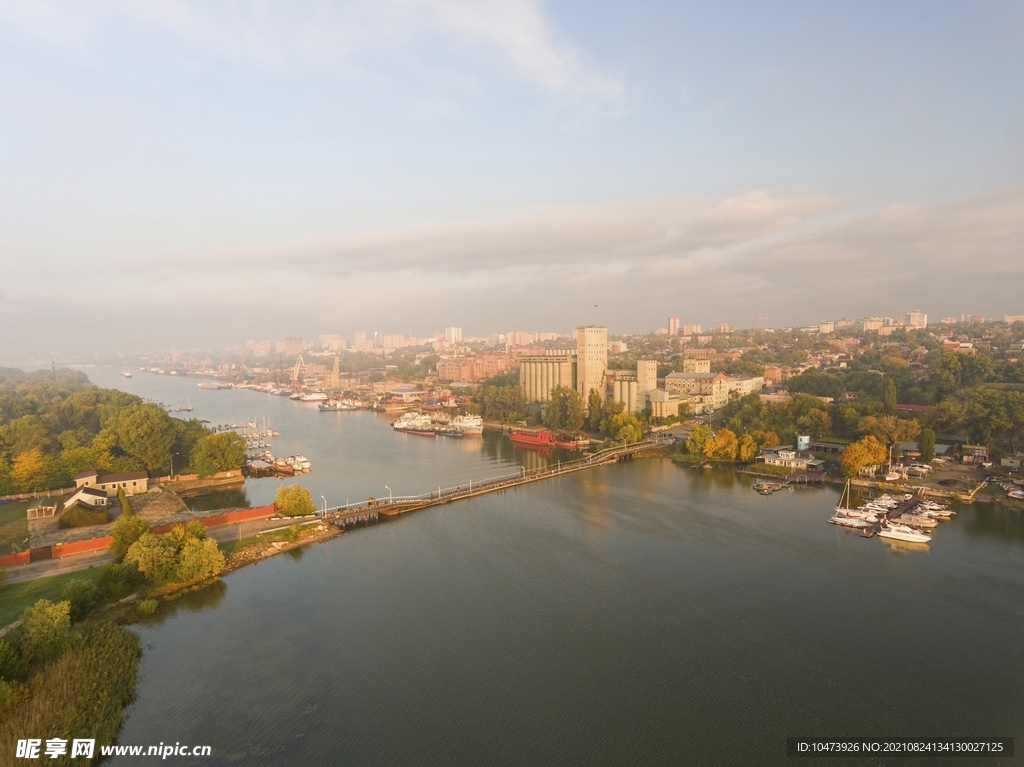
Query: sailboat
point(842, 515)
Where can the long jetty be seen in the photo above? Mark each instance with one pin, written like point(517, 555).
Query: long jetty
point(370, 510)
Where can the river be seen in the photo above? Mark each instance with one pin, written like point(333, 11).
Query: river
point(636, 613)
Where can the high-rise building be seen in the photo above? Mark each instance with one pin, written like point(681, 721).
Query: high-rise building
point(646, 381)
point(591, 360)
point(673, 326)
point(453, 336)
point(917, 319)
point(691, 330)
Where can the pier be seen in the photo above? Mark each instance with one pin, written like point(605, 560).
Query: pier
point(372, 509)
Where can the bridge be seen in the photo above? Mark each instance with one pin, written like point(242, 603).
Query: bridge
point(372, 509)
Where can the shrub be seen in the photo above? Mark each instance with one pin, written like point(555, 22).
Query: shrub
point(292, 533)
point(12, 669)
point(117, 580)
point(294, 501)
point(147, 607)
point(79, 517)
point(3, 578)
point(127, 530)
point(46, 630)
point(82, 596)
point(122, 498)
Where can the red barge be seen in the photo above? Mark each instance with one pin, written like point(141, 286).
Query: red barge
point(541, 438)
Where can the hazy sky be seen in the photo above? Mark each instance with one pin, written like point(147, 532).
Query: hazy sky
point(179, 173)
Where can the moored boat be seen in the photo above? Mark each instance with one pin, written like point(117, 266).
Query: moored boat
point(900, 532)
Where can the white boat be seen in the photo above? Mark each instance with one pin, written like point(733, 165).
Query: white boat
point(208, 385)
point(842, 518)
point(415, 423)
point(314, 397)
point(127, 374)
point(903, 533)
point(470, 425)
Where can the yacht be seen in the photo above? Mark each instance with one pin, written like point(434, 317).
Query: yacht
point(899, 532)
point(318, 396)
point(842, 518)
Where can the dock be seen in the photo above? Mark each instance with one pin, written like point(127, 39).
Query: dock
point(373, 509)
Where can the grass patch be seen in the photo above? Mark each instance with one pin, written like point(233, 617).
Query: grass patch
point(775, 471)
point(14, 523)
point(15, 597)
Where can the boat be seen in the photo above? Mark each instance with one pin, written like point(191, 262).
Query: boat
point(334, 406)
point(917, 520)
point(314, 397)
point(415, 423)
point(1017, 495)
point(539, 437)
point(470, 425)
point(208, 385)
point(900, 532)
point(449, 431)
point(127, 374)
point(841, 518)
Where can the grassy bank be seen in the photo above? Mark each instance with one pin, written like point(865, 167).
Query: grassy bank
point(16, 597)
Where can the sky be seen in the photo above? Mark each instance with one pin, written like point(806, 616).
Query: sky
point(197, 174)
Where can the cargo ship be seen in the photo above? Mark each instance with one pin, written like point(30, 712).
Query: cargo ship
point(415, 423)
point(531, 438)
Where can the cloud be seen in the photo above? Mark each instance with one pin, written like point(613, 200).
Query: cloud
point(286, 36)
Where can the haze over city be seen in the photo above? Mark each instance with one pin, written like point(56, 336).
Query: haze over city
point(203, 173)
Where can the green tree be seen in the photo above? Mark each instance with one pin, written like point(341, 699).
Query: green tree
point(926, 443)
point(595, 412)
point(722, 446)
point(155, 556)
point(12, 668)
point(889, 396)
point(622, 427)
point(747, 448)
point(294, 501)
point(564, 409)
point(126, 530)
point(46, 629)
point(81, 594)
point(218, 452)
point(699, 434)
point(199, 559)
point(122, 498)
point(146, 433)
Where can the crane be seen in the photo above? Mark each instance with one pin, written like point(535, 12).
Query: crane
point(299, 369)
point(760, 321)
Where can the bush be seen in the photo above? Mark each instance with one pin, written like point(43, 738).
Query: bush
point(126, 530)
point(82, 693)
point(147, 607)
point(46, 630)
point(79, 517)
point(294, 501)
point(117, 580)
point(82, 596)
point(3, 578)
point(12, 669)
point(122, 498)
point(292, 533)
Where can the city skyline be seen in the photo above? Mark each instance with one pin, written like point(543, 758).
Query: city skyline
point(205, 172)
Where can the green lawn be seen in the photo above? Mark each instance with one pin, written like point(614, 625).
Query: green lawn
point(15, 597)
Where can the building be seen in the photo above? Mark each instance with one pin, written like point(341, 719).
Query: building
point(872, 323)
point(1009, 319)
point(826, 326)
point(666, 404)
point(646, 378)
point(453, 336)
point(293, 345)
point(741, 386)
point(917, 319)
point(691, 365)
point(673, 326)
point(591, 360)
point(539, 374)
point(691, 330)
point(132, 482)
point(626, 391)
point(473, 369)
point(713, 388)
point(89, 498)
point(789, 458)
point(772, 374)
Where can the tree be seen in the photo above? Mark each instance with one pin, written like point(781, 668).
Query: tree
point(817, 423)
point(926, 443)
point(46, 629)
point(864, 452)
point(155, 556)
point(294, 501)
point(81, 594)
point(699, 434)
point(218, 452)
point(146, 433)
point(722, 446)
point(126, 530)
point(27, 471)
point(594, 411)
point(199, 559)
point(564, 409)
point(622, 427)
point(122, 498)
point(889, 396)
point(747, 448)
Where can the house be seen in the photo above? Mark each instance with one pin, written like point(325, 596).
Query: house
point(132, 482)
point(789, 458)
point(974, 454)
point(89, 498)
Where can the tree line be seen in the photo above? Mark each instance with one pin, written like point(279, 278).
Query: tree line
point(54, 426)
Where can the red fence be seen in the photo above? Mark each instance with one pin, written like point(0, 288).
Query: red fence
point(103, 542)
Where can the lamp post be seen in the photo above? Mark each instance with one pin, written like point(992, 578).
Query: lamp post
point(389, 493)
point(172, 465)
point(324, 514)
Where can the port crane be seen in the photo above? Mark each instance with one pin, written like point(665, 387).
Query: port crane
point(297, 371)
point(760, 321)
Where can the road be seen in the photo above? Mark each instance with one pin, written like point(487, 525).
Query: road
point(49, 567)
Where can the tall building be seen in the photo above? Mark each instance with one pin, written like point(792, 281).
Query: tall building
point(673, 326)
point(691, 330)
point(591, 360)
point(646, 377)
point(917, 319)
point(539, 374)
point(453, 336)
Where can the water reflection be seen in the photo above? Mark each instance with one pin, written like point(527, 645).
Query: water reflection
point(984, 519)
